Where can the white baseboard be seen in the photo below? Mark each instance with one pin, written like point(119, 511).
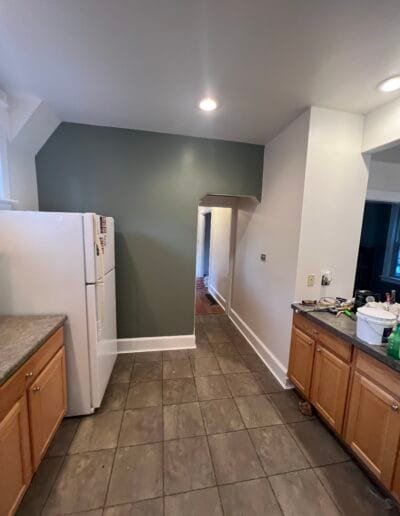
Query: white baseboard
point(269, 359)
point(218, 297)
point(168, 343)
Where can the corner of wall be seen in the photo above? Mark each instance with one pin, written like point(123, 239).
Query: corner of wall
point(31, 124)
point(263, 291)
point(336, 175)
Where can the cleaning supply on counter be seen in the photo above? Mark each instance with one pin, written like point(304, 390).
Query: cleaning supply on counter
point(393, 349)
point(374, 324)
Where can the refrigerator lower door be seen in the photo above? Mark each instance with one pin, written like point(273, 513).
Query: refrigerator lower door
point(101, 315)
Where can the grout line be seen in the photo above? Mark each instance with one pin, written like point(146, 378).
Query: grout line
point(248, 435)
point(113, 463)
point(211, 460)
point(64, 457)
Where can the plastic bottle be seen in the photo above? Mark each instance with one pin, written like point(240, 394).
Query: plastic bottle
point(393, 348)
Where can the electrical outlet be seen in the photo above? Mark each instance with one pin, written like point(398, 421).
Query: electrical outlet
point(310, 280)
point(326, 278)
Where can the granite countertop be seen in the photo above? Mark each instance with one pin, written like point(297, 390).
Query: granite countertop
point(21, 336)
point(345, 328)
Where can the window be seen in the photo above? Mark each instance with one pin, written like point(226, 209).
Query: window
point(391, 267)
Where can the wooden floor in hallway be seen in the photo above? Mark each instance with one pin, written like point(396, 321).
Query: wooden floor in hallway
point(203, 305)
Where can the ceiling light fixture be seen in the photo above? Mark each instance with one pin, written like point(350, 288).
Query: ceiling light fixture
point(391, 84)
point(208, 104)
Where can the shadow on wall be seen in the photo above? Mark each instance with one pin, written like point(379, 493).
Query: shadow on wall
point(246, 209)
point(142, 295)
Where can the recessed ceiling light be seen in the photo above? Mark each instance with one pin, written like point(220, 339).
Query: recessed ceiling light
point(391, 84)
point(208, 104)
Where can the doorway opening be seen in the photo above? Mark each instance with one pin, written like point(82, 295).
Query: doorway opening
point(214, 258)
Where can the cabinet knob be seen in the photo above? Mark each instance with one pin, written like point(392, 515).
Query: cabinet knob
point(315, 332)
point(395, 406)
point(318, 350)
point(29, 374)
point(36, 388)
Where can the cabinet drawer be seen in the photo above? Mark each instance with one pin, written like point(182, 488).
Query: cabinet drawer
point(340, 347)
point(378, 372)
point(305, 325)
point(15, 386)
point(335, 344)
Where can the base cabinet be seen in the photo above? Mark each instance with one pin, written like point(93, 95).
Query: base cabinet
point(47, 403)
point(15, 457)
point(356, 395)
point(373, 427)
point(301, 360)
point(330, 382)
point(32, 405)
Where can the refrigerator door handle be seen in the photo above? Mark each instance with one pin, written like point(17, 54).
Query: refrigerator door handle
point(99, 246)
point(101, 282)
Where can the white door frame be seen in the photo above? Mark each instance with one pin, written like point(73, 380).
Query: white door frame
point(225, 202)
point(232, 253)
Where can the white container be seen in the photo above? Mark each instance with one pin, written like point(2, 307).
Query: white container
point(374, 325)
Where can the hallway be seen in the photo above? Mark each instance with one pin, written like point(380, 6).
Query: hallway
point(203, 432)
point(203, 304)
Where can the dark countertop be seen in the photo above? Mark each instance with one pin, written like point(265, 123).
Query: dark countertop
point(345, 328)
point(21, 336)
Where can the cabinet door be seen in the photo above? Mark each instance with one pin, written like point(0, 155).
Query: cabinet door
point(15, 458)
point(373, 427)
point(329, 386)
point(396, 480)
point(47, 405)
point(301, 360)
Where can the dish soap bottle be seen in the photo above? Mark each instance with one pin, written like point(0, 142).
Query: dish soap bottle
point(393, 348)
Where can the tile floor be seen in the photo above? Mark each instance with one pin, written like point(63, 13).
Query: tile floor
point(205, 432)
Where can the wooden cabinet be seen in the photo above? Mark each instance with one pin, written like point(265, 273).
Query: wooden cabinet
point(15, 457)
point(301, 360)
point(373, 426)
point(330, 381)
point(357, 395)
point(32, 405)
point(396, 480)
point(47, 403)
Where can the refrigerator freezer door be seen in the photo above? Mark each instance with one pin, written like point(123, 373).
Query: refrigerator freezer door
point(99, 246)
point(101, 315)
point(42, 270)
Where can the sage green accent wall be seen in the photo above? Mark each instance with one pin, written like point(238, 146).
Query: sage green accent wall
point(151, 183)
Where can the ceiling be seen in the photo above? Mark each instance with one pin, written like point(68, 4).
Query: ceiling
point(145, 64)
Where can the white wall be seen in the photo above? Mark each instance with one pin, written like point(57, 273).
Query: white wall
point(309, 220)
point(30, 125)
point(264, 291)
point(22, 178)
point(382, 126)
point(218, 282)
point(333, 204)
point(384, 176)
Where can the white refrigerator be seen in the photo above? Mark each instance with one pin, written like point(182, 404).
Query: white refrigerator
point(63, 263)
